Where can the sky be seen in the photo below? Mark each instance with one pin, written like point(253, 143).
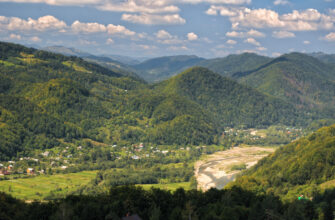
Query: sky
point(151, 28)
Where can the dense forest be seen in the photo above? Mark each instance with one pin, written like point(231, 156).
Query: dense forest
point(48, 99)
point(305, 167)
point(234, 203)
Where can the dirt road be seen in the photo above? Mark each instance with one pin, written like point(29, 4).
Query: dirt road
point(219, 168)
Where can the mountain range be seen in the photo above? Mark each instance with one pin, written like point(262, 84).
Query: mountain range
point(61, 97)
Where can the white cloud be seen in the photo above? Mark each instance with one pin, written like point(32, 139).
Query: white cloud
point(56, 2)
point(163, 34)
point(307, 42)
point(255, 33)
point(330, 37)
point(235, 34)
point(35, 39)
point(252, 41)
point(119, 30)
point(139, 6)
point(223, 11)
point(153, 19)
point(15, 36)
point(77, 26)
point(281, 2)
point(307, 20)
point(192, 36)
point(276, 54)
point(44, 23)
point(165, 37)
point(250, 33)
point(109, 41)
point(176, 48)
point(231, 42)
point(282, 34)
point(262, 48)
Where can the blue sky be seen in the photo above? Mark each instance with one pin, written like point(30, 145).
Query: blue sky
point(149, 28)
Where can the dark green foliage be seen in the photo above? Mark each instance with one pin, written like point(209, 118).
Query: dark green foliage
point(161, 68)
point(159, 204)
point(230, 103)
point(297, 167)
point(296, 78)
point(234, 64)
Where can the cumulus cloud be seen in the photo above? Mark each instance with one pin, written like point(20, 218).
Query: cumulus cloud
point(192, 36)
point(305, 20)
point(223, 11)
point(281, 2)
point(252, 41)
point(139, 6)
point(35, 39)
point(330, 37)
point(231, 42)
point(250, 33)
point(109, 41)
point(77, 26)
point(282, 34)
point(255, 33)
point(235, 34)
point(153, 19)
point(15, 36)
point(44, 23)
point(262, 48)
point(119, 30)
point(177, 48)
point(163, 34)
point(307, 42)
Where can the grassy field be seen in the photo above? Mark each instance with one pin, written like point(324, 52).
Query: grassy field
point(40, 186)
point(167, 186)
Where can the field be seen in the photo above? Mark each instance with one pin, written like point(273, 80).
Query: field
point(37, 188)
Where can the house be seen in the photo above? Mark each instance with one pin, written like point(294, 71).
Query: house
point(63, 167)
point(10, 167)
point(30, 171)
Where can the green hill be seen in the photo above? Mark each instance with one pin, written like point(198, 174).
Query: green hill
point(302, 167)
point(233, 64)
point(48, 98)
point(296, 78)
point(232, 104)
point(161, 68)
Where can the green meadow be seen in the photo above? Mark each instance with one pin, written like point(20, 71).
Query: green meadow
point(37, 188)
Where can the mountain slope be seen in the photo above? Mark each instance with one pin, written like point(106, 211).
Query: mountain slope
point(231, 64)
point(231, 103)
point(46, 99)
point(295, 169)
point(161, 68)
point(296, 78)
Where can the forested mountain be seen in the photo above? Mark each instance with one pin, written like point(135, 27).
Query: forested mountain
point(296, 78)
point(105, 61)
point(326, 58)
point(231, 103)
point(302, 167)
point(233, 64)
point(49, 98)
point(158, 69)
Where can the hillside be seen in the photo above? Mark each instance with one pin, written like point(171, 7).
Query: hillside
point(233, 64)
point(296, 78)
point(298, 168)
point(46, 99)
point(231, 103)
point(326, 58)
point(158, 69)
